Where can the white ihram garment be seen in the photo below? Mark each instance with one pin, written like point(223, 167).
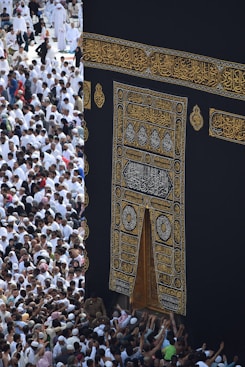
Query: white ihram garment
point(59, 19)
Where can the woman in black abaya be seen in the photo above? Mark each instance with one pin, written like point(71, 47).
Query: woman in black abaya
point(42, 50)
point(78, 56)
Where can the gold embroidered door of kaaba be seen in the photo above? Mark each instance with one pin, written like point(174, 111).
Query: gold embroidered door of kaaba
point(148, 178)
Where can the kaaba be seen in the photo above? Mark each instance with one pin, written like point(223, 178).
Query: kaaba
point(164, 94)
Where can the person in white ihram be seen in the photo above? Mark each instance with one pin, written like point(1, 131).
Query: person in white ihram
point(72, 37)
point(59, 18)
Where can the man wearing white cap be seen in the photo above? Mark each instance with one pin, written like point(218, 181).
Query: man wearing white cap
point(75, 77)
point(66, 353)
point(74, 338)
point(60, 344)
point(31, 352)
point(76, 138)
point(15, 271)
point(60, 364)
point(3, 237)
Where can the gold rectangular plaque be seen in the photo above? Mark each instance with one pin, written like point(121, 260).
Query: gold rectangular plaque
point(227, 126)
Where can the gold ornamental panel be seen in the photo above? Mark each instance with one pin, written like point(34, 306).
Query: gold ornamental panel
point(227, 126)
point(148, 173)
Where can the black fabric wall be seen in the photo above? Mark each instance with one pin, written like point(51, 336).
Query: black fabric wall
point(215, 169)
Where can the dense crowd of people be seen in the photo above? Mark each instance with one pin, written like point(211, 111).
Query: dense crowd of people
point(45, 319)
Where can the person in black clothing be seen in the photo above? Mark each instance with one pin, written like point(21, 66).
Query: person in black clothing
point(38, 26)
point(3, 92)
point(42, 50)
point(5, 19)
point(21, 38)
point(29, 184)
point(78, 56)
point(80, 90)
point(27, 84)
point(34, 8)
point(66, 353)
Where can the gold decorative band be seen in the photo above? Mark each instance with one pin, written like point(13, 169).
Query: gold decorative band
point(227, 126)
point(170, 66)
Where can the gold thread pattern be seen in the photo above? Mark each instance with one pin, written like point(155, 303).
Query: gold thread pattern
point(196, 118)
point(86, 198)
point(85, 131)
point(99, 97)
point(148, 172)
point(170, 66)
point(86, 165)
point(227, 126)
point(114, 54)
point(87, 94)
point(86, 234)
point(86, 261)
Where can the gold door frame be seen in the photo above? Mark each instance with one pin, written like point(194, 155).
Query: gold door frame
point(148, 172)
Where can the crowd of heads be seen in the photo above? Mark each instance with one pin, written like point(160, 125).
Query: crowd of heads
point(42, 197)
